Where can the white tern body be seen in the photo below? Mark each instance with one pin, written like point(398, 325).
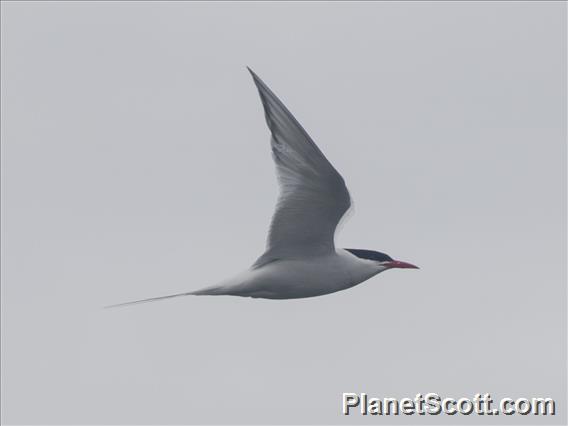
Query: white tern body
point(296, 278)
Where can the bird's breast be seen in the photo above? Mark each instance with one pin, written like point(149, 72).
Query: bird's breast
point(309, 277)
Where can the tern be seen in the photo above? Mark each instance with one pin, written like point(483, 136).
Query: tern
point(301, 259)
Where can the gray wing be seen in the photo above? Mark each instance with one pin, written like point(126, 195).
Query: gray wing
point(313, 196)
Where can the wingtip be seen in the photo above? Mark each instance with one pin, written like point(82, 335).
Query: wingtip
point(254, 76)
point(261, 86)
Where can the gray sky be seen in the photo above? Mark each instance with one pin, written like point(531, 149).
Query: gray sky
point(135, 163)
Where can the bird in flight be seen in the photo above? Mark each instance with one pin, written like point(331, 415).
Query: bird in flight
point(301, 259)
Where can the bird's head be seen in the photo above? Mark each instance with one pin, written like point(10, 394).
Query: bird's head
point(384, 261)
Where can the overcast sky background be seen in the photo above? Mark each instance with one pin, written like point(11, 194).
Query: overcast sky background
point(135, 163)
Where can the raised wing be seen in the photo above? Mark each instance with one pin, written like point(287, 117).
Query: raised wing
point(313, 197)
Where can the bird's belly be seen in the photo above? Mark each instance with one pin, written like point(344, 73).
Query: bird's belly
point(291, 279)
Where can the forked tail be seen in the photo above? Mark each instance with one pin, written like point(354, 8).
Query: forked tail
point(214, 290)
